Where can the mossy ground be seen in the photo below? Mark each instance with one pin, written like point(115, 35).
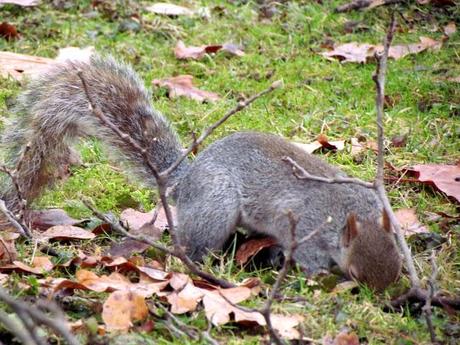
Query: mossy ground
point(319, 96)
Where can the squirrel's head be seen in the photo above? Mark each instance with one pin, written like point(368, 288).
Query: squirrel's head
point(369, 252)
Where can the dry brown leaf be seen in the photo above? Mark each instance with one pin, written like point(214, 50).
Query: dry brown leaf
point(8, 252)
point(40, 265)
point(8, 31)
point(181, 51)
point(286, 325)
point(161, 222)
point(409, 223)
point(121, 309)
point(44, 219)
point(18, 65)
point(170, 9)
point(343, 338)
point(351, 52)
point(116, 281)
point(399, 51)
point(450, 29)
point(310, 148)
point(250, 248)
point(66, 232)
point(154, 273)
point(186, 299)
point(363, 52)
point(445, 177)
point(127, 247)
point(23, 3)
point(182, 85)
point(4, 279)
point(135, 219)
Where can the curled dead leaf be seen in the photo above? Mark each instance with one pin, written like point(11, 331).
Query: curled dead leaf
point(409, 222)
point(121, 309)
point(182, 85)
point(66, 232)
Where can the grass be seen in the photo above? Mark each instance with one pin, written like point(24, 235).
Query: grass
point(319, 96)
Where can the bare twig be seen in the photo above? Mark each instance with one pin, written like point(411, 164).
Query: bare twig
point(240, 106)
point(32, 317)
point(302, 174)
point(14, 221)
point(379, 79)
point(364, 4)
point(431, 290)
point(19, 331)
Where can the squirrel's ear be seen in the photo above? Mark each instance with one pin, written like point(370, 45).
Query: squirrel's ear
point(386, 221)
point(351, 230)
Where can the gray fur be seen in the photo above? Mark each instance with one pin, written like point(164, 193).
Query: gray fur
point(240, 180)
point(54, 111)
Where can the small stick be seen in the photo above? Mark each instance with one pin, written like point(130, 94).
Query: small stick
point(363, 4)
point(240, 106)
point(15, 222)
point(302, 174)
point(431, 290)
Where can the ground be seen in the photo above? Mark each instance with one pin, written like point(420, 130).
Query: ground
point(319, 96)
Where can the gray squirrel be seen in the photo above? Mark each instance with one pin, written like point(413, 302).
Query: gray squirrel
point(240, 180)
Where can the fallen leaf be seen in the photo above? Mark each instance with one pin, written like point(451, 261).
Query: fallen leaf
point(182, 85)
point(183, 52)
point(161, 221)
point(4, 279)
point(322, 142)
point(286, 325)
point(127, 247)
point(44, 219)
point(75, 54)
point(399, 51)
point(233, 49)
point(310, 148)
point(445, 177)
point(185, 300)
point(337, 145)
point(170, 9)
point(450, 29)
point(23, 3)
point(399, 140)
point(40, 265)
point(8, 31)
point(343, 338)
point(363, 52)
point(454, 79)
point(250, 248)
point(66, 232)
point(409, 223)
point(135, 219)
point(18, 65)
point(8, 252)
point(121, 309)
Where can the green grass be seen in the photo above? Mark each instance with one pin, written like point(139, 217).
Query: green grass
point(319, 96)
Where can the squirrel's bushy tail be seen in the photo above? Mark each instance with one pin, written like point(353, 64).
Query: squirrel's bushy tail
point(54, 111)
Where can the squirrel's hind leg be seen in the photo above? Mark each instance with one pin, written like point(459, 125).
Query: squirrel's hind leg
point(207, 216)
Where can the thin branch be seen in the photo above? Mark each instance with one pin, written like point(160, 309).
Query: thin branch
point(32, 316)
point(240, 106)
point(22, 333)
point(364, 4)
point(15, 222)
point(379, 79)
point(302, 174)
point(431, 291)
